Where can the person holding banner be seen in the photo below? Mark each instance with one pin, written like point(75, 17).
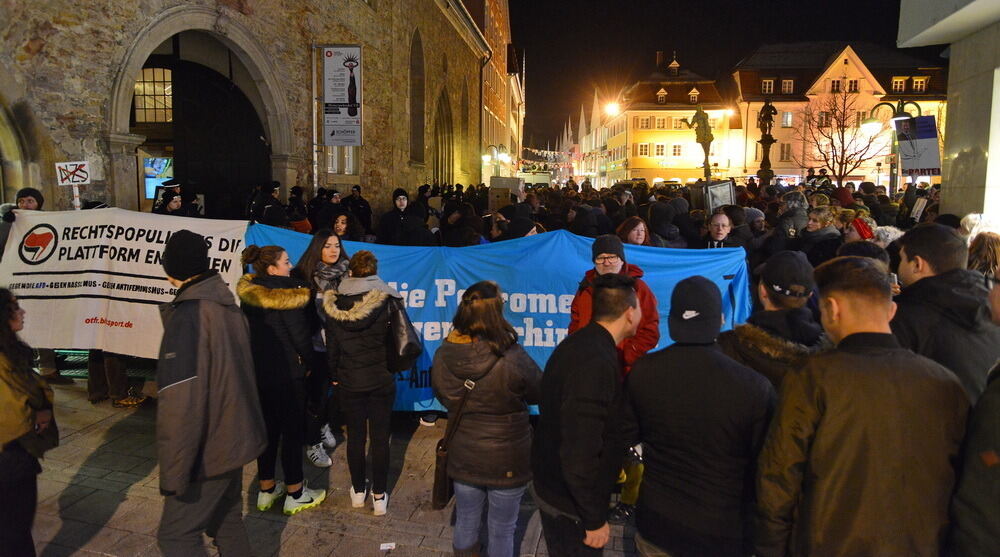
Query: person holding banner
point(489, 456)
point(277, 306)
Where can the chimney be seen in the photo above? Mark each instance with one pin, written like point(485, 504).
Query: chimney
point(659, 59)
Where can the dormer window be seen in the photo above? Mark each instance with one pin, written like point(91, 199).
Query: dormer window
point(787, 86)
point(661, 96)
point(693, 95)
point(919, 84)
point(767, 86)
point(898, 84)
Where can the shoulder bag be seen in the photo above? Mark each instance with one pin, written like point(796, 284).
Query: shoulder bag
point(406, 345)
point(443, 488)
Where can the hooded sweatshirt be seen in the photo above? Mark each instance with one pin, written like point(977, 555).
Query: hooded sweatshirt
point(947, 319)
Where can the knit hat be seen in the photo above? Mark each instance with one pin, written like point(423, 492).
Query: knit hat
point(186, 255)
point(608, 243)
point(753, 214)
point(519, 226)
point(862, 228)
point(788, 273)
point(399, 192)
point(31, 192)
point(695, 311)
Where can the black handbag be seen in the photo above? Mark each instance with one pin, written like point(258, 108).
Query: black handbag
point(406, 347)
point(444, 489)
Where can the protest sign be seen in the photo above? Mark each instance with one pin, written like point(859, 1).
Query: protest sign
point(539, 276)
point(94, 279)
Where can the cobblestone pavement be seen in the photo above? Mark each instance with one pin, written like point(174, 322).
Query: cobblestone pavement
point(98, 495)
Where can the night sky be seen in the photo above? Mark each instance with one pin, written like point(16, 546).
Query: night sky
point(573, 46)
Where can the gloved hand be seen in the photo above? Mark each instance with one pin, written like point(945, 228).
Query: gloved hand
point(9, 216)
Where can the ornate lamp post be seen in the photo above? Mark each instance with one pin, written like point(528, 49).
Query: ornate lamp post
point(765, 121)
point(873, 125)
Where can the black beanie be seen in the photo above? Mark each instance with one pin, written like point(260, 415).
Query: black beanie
point(608, 243)
point(31, 192)
point(186, 255)
point(695, 311)
point(400, 192)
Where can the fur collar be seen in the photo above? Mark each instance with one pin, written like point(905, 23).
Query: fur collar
point(774, 346)
point(271, 298)
point(458, 338)
point(363, 308)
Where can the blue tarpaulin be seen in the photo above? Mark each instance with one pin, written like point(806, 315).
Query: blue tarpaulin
point(539, 274)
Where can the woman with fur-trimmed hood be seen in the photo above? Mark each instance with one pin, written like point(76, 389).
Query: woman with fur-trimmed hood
point(358, 341)
point(277, 307)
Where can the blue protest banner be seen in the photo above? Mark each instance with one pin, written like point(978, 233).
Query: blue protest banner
point(539, 275)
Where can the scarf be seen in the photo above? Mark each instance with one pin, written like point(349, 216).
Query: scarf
point(327, 277)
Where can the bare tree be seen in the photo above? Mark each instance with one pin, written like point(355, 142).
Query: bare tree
point(833, 137)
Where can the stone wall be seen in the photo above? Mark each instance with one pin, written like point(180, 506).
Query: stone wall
point(69, 67)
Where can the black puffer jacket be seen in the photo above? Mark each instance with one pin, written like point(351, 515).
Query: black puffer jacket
point(775, 343)
point(947, 318)
point(492, 446)
point(819, 246)
point(278, 311)
point(358, 339)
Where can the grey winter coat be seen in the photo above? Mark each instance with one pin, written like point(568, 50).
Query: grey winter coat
point(208, 417)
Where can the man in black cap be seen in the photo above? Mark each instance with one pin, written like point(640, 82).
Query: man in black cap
point(390, 226)
point(208, 421)
point(359, 207)
point(701, 418)
point(779, 338)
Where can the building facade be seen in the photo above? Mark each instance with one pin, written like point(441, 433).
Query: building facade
point(228, 91)
point(971, 181)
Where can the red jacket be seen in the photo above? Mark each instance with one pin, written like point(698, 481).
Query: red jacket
point(648, 335)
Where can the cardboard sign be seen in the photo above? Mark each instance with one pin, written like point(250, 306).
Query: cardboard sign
point(75, 173)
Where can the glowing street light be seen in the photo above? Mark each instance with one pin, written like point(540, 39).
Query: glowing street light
point(612, 109)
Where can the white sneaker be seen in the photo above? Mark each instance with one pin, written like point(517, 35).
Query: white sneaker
point(329, 441)
point(308, 499)
point(358, 499)
point(379, 505)
point(318, 457)
point(266, 500)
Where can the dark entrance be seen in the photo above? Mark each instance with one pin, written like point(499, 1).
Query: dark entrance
point(215, 137)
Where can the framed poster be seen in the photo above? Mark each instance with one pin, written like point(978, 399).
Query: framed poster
point(342, 95)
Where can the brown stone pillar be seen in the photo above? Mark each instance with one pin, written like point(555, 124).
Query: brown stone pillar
point(123, 171)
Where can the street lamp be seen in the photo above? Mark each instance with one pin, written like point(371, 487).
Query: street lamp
point(612, 109)
point(872, 126)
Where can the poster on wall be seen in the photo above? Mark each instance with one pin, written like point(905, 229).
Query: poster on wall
point(919, 154)
point(342, 99)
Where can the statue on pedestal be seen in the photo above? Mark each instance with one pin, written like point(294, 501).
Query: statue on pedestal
point(765, 121)
point(703, 135)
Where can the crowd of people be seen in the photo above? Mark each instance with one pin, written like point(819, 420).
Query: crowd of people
point(854, 413)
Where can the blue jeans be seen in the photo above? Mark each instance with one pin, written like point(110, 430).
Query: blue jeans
point(501, 519)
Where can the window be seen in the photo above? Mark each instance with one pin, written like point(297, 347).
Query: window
point(661, 150)
point(787, 86)
point(349, 160)
point(154, 101)
point(644, 123)
point(713, 123)
point(693, 97)
point(852, 85)
point(919, 84)
point(679, 124)
point(332, 159)
point(661, 96)
point(417, 107)
point(677, 150)
point(835, 86)
point(898, 84)
point(767, 86)
point(757, 152)
point(859, 118)
point(644, 149)
point(661, 123)
point(823, 120)
point(635, 122)
point(786, 151)
point(786, 119)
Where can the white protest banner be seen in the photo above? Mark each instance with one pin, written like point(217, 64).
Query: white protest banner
point(342, 94)
point(94, 279)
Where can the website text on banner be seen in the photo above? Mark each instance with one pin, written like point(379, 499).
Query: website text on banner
point(93, 279)
point(539, 276)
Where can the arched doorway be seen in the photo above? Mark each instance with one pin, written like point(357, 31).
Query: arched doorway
point(231, 130)
point(444, 142)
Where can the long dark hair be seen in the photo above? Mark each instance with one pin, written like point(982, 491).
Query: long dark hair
point(480, 316)
point(11, 346)
point(306, 266)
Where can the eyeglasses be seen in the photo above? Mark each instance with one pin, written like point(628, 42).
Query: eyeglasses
point(607, 259)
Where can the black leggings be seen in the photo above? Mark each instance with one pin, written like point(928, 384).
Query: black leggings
point(283, 405)
point(19, 496)
point(321, 408)
point(371, 411)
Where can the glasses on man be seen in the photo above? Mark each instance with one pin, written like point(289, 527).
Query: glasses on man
point(608, 259)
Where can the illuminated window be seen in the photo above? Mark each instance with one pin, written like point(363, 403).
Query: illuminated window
point(644, 123)
point(824, 119)
point(919, 84)
point(154, 101)
point(644, 149)
point(661, 96)
point(835, 86)
point(898, 84)
point(767, 86)
point(677, 150)
point(786, 119)
point(852, 85)
point(713, 123)
point(661, 123)
point(787, 86)
point(786, 151)
point(859, 118)
point(661, 149)
point(679, 124)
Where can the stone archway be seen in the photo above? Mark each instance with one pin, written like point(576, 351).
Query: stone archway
point(122, 144)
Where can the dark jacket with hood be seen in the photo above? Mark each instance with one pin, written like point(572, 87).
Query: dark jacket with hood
point(663, 232)
point(358, 337)
point(775, 343)
point(947, 318)
point(860, 456)
point(208, 417)
point(790, 224)
point(584, 223)
point(492, 446)
point(701, 418)
point(819, 246)
point(281, 326)
point(390, 227)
